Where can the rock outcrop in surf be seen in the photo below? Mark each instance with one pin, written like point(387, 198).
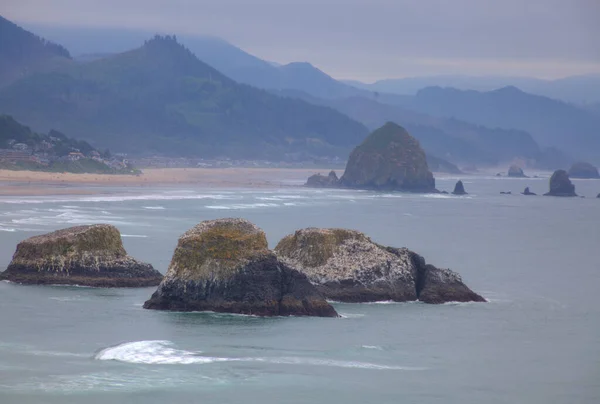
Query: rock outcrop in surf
point(345, 265)
point(459, 189)
point(560, 185)
point(528, 192)
point(516, 172)
point(322, 181)
point(225, 265)
point(84, 255)
point(583, 170)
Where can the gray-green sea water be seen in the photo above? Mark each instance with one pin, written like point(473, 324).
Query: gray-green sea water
point(537, 260)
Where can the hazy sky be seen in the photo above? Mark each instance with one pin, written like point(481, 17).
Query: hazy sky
point(365, 39)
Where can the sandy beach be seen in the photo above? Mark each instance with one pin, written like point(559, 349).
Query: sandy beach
point(44, 183)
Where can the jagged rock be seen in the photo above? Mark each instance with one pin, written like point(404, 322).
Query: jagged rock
point(583, 170)
point(321, 181)
point(459, 189)
point(528, 192)
point(345, 265)
point(389, 159)
point(516, 172)
point(225, 265)
point(560, 185)
point(506, 193)
point(83, 255)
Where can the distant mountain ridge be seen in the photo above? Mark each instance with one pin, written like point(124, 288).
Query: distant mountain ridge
point(160, 97)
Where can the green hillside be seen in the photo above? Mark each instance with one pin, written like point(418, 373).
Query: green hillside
point(161, 98)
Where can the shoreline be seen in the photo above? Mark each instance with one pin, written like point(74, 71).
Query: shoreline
point(35, 183)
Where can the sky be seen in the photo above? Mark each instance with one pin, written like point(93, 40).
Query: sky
point(364, 40)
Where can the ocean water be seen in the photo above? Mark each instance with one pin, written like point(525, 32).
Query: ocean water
point(537, 260)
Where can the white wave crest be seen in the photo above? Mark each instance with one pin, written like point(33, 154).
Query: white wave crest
point(154, 207)
point(134, 235)
point(243, 206)
point(161, 352)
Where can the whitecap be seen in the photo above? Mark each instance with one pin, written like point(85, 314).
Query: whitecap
point(9, 229)
point(351, 315)
point(375, 347)
point(134, 235)
point(243, 206)
point(154, 207)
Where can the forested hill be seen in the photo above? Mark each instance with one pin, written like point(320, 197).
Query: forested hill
point(23, 53)
point(161, 98)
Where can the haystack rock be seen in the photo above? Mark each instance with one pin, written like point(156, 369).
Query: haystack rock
point(583, 170)
point(560, 185)
point(345, 265)
point(83, 255)
point(516, 172)
point(459, 189)
point(389, 159)
point(322, 181)
point(225, 265)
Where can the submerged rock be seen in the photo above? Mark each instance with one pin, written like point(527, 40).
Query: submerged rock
point(83, 255)
point(505, 192)
point(225, 265)
point(459, 189)
point(583, 170)
point(389, 159)
point(321, 181)
point(560, 185)
point(516, 172)
point(527, 192)
point(345, 265)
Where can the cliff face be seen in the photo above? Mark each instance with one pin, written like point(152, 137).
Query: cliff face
point(225, 265)
point(389, 159)
point(345, 265)
point(84, 255)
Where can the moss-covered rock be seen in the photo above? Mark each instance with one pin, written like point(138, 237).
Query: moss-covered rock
point(225, 265)
point(345, 265)
point(389, 159)
point(84, 255)
point(516, 172)
point(560, 185)
point(583, 170)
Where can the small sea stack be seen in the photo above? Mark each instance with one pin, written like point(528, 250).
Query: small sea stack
point(84, 255)
point(528, 192)
point(505, 193)
point(345, 265)
point(459, 189)
point(225, 265)
point(322, 181)
point(515, 171)
point(584, 170)
point(560, 185)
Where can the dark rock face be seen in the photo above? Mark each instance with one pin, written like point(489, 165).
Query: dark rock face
point(583, 170)
point(459, 189)
point(516, 172)
point(321, 181)
point(345, 265)
point(506, 192)
point(598, 196)
point(527, 192)
point(560, 185)
point(83, 255)
point(389, 159)
point(225, 265)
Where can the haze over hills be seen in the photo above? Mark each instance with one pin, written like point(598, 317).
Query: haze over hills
point(23, 53)
point(188, 114)
point(160, 97)
point(575, 89)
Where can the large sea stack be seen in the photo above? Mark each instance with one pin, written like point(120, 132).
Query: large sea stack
point(560, 185)
point(225, 265)
point(583, 170)
point(84, 255)
point(389, 159)
point(516, 172)
point(345, 265)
